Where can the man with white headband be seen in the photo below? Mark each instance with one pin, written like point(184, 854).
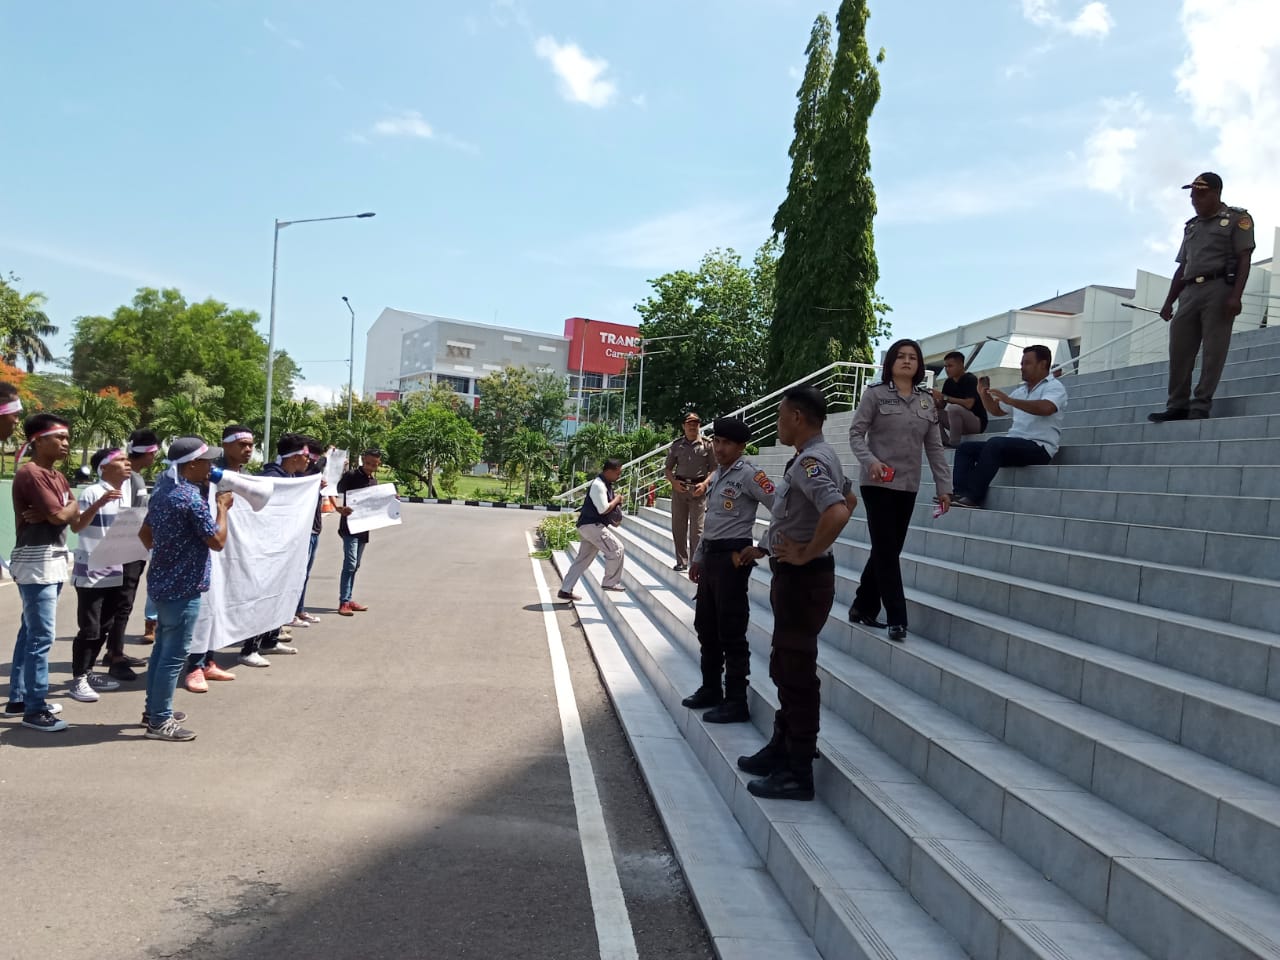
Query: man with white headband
point(10, 410)
point(44, 506)
point(98, 589)
point(180, 530)
point(142, 447)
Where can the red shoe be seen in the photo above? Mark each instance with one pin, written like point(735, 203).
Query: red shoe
point(214, 672)
point(195, 681)
point(345, 610)
point(357, 607)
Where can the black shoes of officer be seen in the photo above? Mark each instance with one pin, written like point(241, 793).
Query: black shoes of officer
point(898, 633)
point(785, 784)
point(1164, 416)
point(731, 711)
point(857, 616)
point(702, 698)
point(766, 761)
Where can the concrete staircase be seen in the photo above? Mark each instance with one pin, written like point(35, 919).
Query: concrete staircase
point(1077, 752)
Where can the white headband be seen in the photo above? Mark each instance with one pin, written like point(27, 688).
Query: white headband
point(234, 437)
point(172, 472)
point(12, 406)
point(143, 448)
point(113, 455)
point(52, 431)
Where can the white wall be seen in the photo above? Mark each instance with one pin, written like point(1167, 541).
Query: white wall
point(382, 349)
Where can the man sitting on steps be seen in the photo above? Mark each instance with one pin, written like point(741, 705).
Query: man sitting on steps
point(1036, 405)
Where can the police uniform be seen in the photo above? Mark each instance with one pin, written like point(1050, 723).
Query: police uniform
point(1211, 247)
point(801, 598)
point(721, 614)
point(690, 461)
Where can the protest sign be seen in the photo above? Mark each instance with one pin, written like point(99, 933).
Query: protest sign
point(334, 463)
point(373, 507)
point(121, 545)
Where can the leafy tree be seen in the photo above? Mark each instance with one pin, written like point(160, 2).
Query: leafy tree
point(143, 345)
point(827, 308)
point(193, 409)
point(367, 428)
point(23, 326)
point(528, 452)
point(293, 416)
point(596, 442)
point(429, 439)
point(100, 418)
point(641, 440)
point(513, 398)
point(723, 308)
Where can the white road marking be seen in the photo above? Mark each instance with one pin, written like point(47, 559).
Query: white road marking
point(613, 924)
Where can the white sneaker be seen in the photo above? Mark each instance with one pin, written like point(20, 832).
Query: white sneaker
point(298, 622)
point(282, 648)
point(100, 681)
point(254, 659)
point(80, 690)
point(310, 618)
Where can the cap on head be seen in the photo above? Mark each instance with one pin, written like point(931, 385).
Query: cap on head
point(184, 449)
point(732, 429)
point(1206, 181)
point(692, 417)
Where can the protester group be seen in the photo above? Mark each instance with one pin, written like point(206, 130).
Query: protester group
point(185, 522)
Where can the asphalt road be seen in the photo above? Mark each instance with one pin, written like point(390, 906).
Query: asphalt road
point(399, 789)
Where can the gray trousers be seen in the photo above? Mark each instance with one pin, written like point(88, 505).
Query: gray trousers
point(1201, 321)
point(957, 423)
point(687, 516)
point(596, 538)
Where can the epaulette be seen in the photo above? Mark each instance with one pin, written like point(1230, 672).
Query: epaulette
point(1191, 220)
point(1236, 209)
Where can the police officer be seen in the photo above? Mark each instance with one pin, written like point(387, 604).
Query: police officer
point(809, 511)
point(721, 615)
point(690, 461)
point(1213, 265)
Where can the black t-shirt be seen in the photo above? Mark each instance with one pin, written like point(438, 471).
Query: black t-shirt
point(966, 388)
point(355, 479)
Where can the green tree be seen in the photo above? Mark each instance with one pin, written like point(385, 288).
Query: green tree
point(294, 416)
point(433, 438)
point(513, 398)
point(528, 451)
point(99, 419)
point(50, 390)
point(23, 326)
point(142, 346)
point(193, 409)
point(367, 428)
point(826, 303)
point(723, 310)
point(594, 443)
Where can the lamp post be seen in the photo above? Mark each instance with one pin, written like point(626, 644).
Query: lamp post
point(271, 325)
point(582, 361)
point(351, 359)
point(643, 341)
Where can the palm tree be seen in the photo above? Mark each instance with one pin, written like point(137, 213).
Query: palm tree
point(194, 409)
point(101, 418)
point(596, 442)
point(526, 450)
point(23, 327)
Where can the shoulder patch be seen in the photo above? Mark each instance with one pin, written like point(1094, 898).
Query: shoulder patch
point(763, 482)
point(1245, 222)
point(812, 468)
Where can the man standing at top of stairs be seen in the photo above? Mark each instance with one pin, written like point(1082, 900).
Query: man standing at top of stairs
point(689, 464)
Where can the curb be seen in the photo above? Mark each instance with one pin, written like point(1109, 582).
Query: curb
point(546, 507)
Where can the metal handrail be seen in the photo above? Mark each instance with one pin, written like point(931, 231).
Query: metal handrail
point(834, 380)
point(1075, 361)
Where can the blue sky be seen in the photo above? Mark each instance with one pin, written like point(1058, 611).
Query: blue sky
point(530, 161)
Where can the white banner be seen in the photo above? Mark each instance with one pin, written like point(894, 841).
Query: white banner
point(373, 507)
point(257, 577)
point(121, 545)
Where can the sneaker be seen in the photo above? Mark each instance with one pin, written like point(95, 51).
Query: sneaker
point(100, 681)
point(254, 659)
point(345, 610)
point(284, 633)
point(44, 721)
point(281, 648)
point(298, 622)
point(357, 607)
point(82, 691)
point(214, 672)
point(309, 617)
point(18, 708)
point(177, 715)
point(169, 730)
point(196, 682)
point(149, 632)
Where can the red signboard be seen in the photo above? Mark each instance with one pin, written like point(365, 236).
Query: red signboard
point(384, 398)
point(600, 347)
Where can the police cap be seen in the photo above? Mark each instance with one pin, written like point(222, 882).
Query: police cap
point(731, 428)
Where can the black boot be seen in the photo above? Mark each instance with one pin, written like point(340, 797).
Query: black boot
point(733, 710)
point(705, 696)
point(789, 783)
point(770, 758)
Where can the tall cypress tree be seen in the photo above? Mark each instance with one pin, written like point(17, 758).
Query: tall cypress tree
point(827, 307)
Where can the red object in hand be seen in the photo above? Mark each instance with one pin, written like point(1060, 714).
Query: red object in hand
point(886, 475)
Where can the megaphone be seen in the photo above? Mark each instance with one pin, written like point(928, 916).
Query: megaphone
point(255, 491)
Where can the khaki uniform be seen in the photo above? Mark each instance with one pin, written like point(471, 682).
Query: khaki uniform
point(691, 461)
point(1209, 246)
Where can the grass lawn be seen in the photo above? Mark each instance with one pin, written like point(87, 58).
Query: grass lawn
point(481, 488)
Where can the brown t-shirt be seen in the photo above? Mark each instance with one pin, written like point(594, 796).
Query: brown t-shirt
point(40, 553)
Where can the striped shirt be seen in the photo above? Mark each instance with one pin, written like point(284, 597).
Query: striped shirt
point(94, 533)
point(40, 553)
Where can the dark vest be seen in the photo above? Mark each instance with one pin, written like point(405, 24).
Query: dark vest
point(589, 513)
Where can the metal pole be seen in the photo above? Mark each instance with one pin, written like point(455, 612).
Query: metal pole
point(271, 343)
point(622, 421)
point(582, 353)
point(640, 398)
point(351, 359)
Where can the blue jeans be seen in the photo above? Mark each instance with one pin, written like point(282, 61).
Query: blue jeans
point(175, 623)
point(352, 552)
point(150, 610)
point(978, 461)
point(29, 679)
point(311, 559)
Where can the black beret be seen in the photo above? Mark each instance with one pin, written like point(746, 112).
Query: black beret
point(731, 428)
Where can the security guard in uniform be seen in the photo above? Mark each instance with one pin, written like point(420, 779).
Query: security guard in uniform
point(809, 511)
point(1213, 265)
point(689, 463)
point(721, 615)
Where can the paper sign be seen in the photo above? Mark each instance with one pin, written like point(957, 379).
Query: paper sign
point(373, 507)
point(121, 544)
point(334, 464)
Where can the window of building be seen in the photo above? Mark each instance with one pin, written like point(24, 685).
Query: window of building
point(458, 384)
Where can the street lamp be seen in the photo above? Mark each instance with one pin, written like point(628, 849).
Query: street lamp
point(643, 341)
point(351, 359)
point(271, 325)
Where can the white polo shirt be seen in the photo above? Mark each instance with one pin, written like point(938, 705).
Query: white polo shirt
point(1046, 431)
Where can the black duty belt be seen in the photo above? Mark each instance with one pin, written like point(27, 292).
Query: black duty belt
point(827, 562)
point(1206, 277)
point(691, 479)
point(726, 546)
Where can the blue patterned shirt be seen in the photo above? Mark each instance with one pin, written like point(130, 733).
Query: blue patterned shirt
point(180, 522)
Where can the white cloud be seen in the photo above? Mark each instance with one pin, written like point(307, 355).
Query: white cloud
point(671, 241)
point(318, 392)
point(284, 37)
point(1092, 20)
point(407, 123)
point(582, 78)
